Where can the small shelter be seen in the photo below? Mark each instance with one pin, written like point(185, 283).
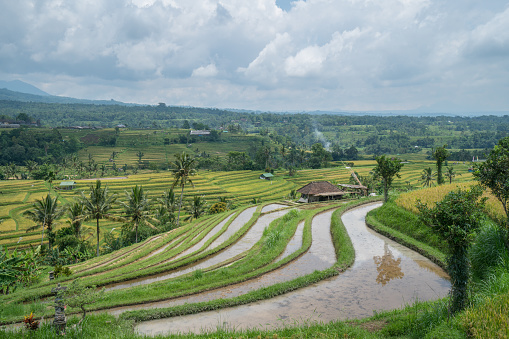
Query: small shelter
point(67, 185)
point(358, 189)
point(320, 191)
point(267, 176)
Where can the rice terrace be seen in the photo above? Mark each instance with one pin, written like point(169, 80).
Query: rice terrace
point(179, 232)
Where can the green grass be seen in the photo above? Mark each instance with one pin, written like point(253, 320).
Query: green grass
point(406, 228)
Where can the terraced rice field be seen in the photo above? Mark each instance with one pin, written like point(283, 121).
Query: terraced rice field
point(231, 255)
point(432, 195)
point(240, 187)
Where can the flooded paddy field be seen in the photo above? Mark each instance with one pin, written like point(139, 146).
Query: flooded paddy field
point(385, 276)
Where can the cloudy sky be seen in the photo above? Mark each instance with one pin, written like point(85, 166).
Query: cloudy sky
point(446, 55)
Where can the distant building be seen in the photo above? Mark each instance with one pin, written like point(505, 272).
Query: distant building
point(267, 176)
point(8, 125)
point(320, 191)
point(200, 132)
point(67, 185)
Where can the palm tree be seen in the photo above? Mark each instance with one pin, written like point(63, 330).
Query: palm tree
point(168, 200)
point(76, 212)
point(45, 211)
point(196, 208)
point(427, 177)
point(137, 208)
point(11, 170)
point(31, 166)
point(183, 169)
point(451, 174)
point(97, 205)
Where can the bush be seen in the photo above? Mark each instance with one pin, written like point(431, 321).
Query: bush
point(61, 271)
point(218, 207)
point(488, 250)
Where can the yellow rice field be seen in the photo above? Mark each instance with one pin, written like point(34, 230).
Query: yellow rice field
point(432, 195)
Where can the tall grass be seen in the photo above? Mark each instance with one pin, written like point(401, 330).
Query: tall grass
point(489, 250)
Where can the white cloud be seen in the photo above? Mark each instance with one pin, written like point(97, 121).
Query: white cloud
point(307, 61)
point(207, 71)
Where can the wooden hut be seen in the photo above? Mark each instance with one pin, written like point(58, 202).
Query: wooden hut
point(67, 185)
point(320, 191)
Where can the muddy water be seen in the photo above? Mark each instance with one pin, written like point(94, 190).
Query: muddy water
point(245, 243)
point(320, 255)
point(384, 276)
point(272, 207)
point(295, 242)
point(234, 227)
point(206, 238)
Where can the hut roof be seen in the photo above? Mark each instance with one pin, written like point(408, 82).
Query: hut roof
point(268, 175)
point(320, 187)
point(67, 183)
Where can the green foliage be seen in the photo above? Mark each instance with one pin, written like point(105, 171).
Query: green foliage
point(196, 208)
point(137, 208)
point(490, 319)
point(408, 223)
point(23, 144)
point(440, 154)
point(61, 271)
point(18, 268)
point(494, 173)
point(97, 205)
point(387, 168)
point(456, 218)
point(217, 207)
point(488, 251)
point(451, 174)
point(45, 212)
point(77, 295)
point(427, 177)
point(183, 169)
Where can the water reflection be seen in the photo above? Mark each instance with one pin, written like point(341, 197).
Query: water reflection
point(387, 266)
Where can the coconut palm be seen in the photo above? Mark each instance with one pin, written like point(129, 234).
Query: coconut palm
point(137, 208)
point(75, 212)
point(196, 208)
point(45, 212)
point(183, 169)
point(427, 177)
point(97, 205)
point(31, 166)
point(168, 200)
point(451, 174)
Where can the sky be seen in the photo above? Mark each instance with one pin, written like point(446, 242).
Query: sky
point(268, 55)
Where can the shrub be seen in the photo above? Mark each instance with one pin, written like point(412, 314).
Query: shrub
point(218, 207)
point(488, 250)
point(61, 271)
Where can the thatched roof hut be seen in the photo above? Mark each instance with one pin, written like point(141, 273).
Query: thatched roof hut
point(320, 191)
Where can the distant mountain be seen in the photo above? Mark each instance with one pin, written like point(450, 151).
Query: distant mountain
point(22, 87)
point(11, 95)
